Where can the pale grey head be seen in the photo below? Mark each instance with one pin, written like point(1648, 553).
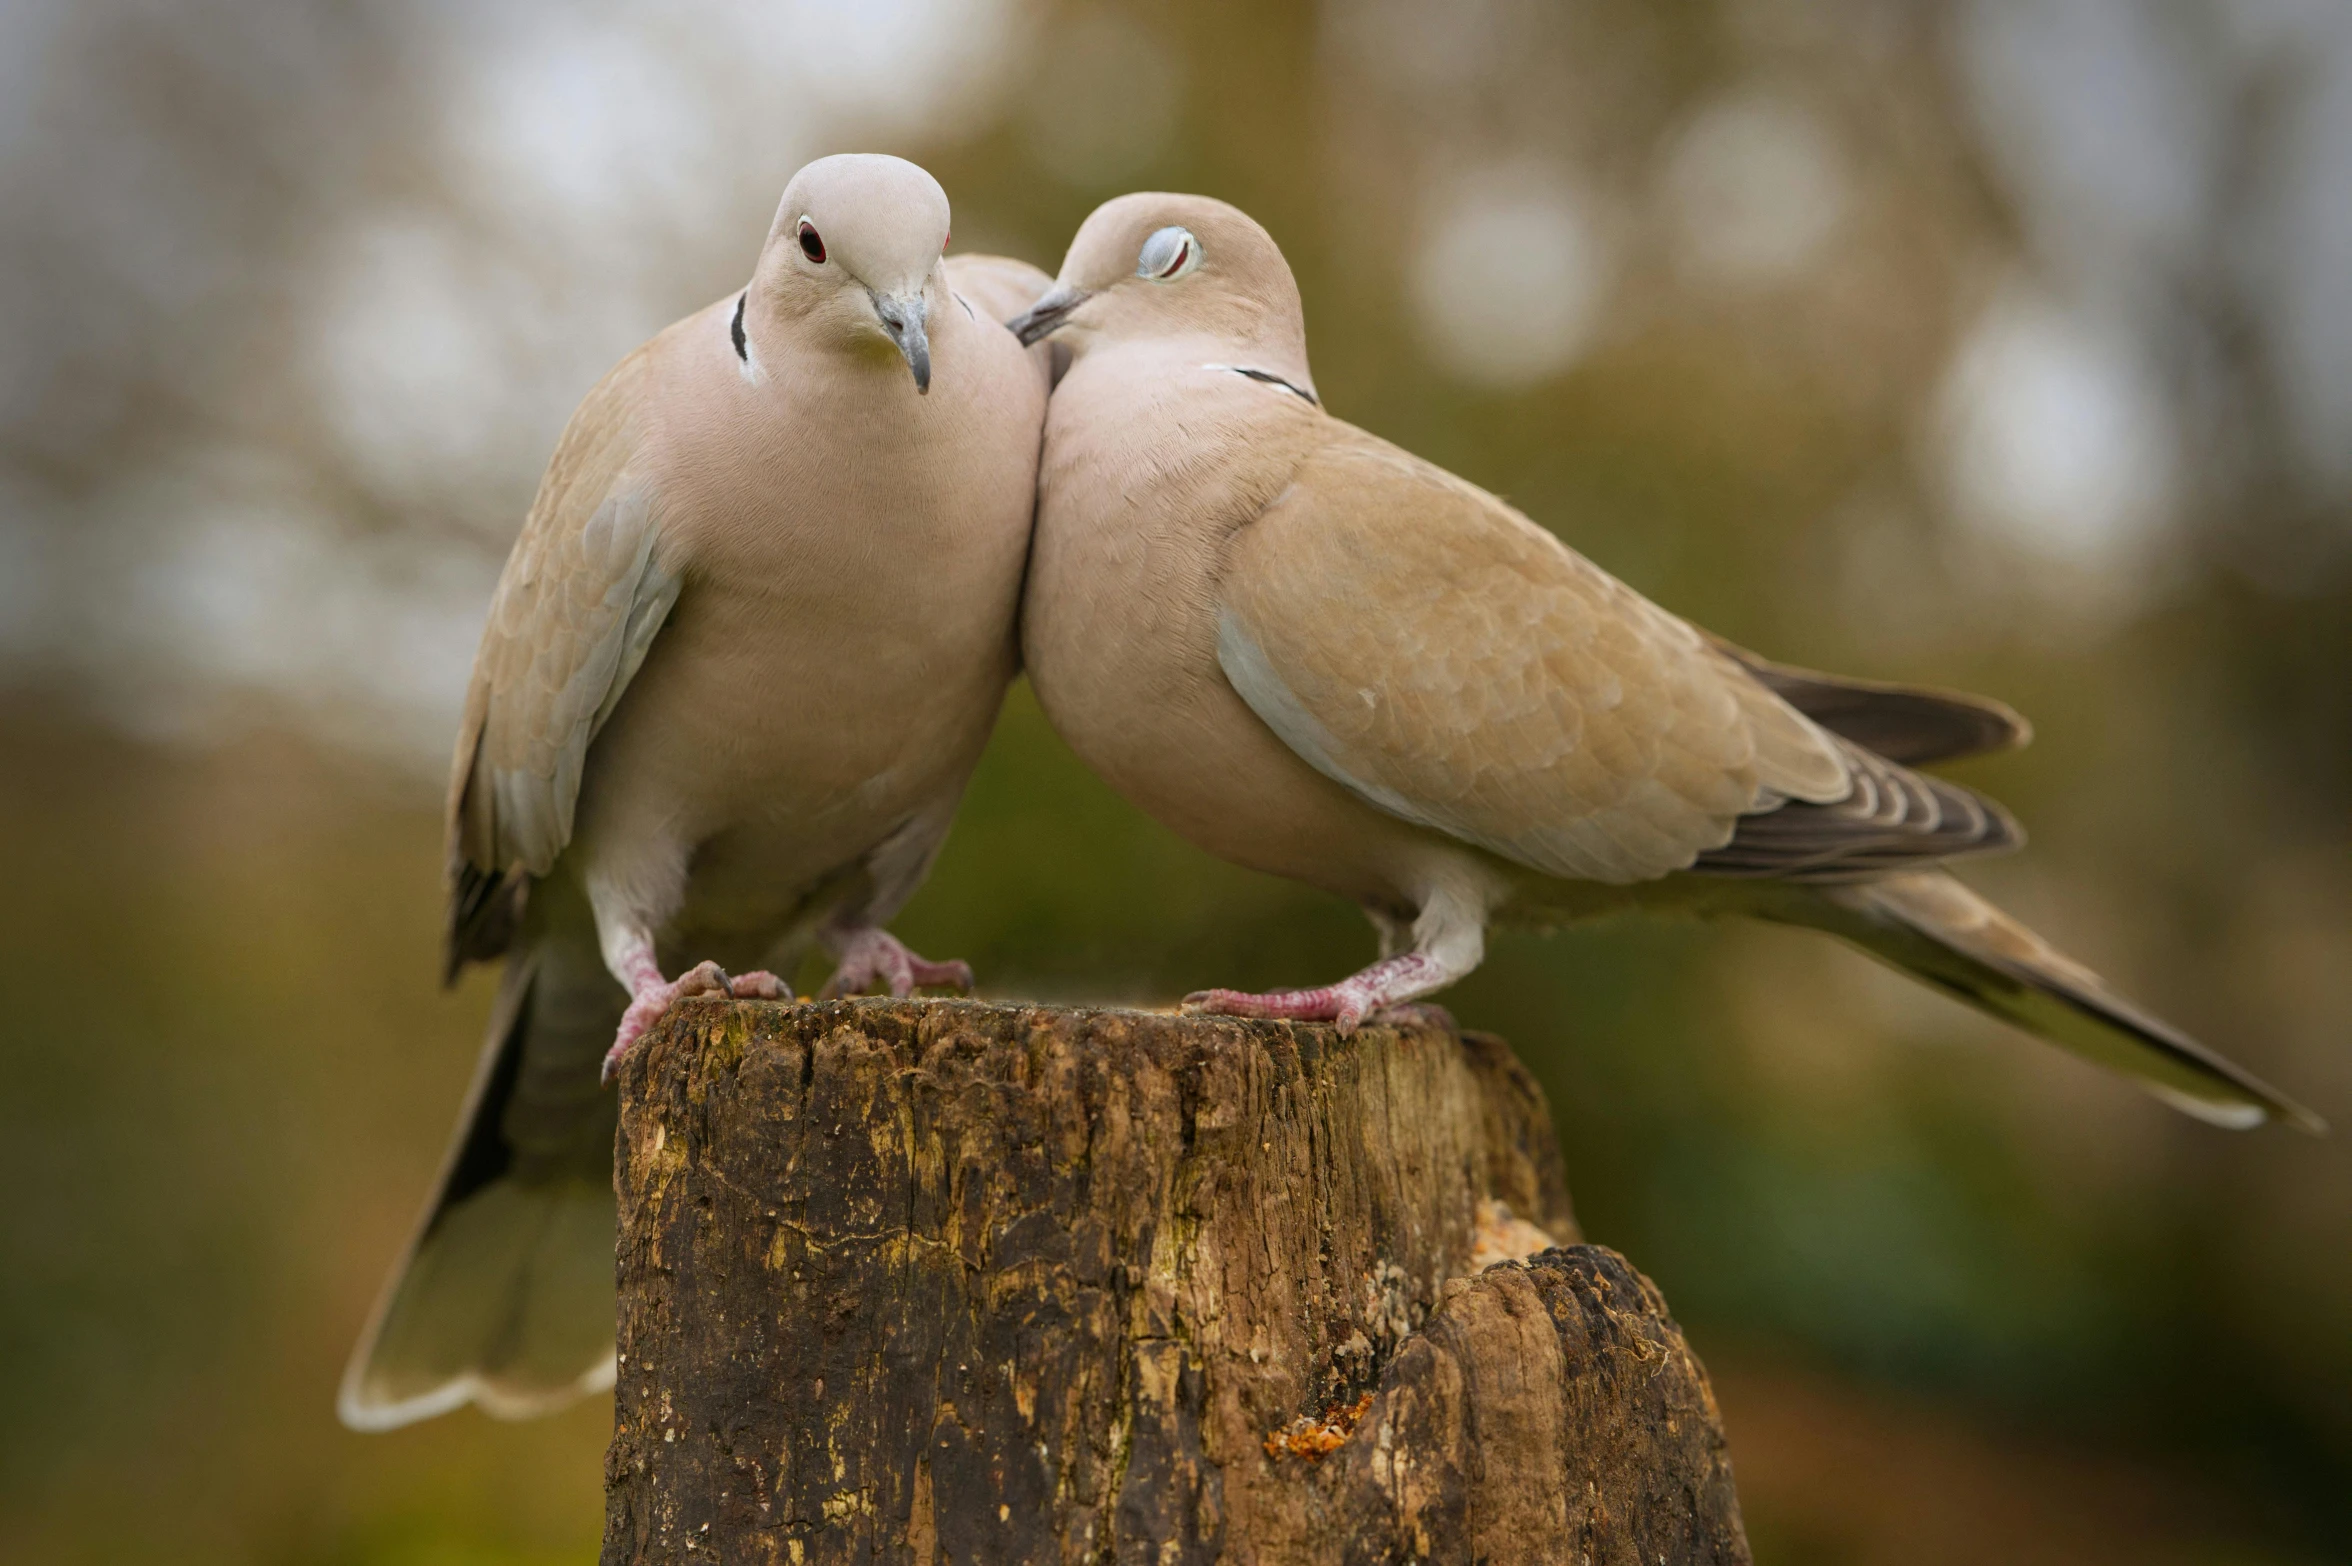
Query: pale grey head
point(855, 252)
point(1155, 264)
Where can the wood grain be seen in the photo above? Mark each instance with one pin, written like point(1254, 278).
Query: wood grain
point(956, 1282)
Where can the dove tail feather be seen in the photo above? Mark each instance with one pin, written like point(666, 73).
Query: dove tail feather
point(505, 1298)
point(1935, 929)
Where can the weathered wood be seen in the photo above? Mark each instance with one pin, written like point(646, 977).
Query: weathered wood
point(951, 1282)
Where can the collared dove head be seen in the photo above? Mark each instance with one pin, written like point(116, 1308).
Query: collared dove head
point(1157, 265)
point(854, 256)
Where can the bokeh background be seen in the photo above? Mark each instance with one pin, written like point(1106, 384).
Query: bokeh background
point(2003, 344)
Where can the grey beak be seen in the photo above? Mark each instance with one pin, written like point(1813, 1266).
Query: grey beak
point(903, 317)
point(1040, 319)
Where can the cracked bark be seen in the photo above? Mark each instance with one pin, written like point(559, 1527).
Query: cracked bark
point(951, 1282)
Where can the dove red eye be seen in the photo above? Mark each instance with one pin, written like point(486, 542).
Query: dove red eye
point(810, 244)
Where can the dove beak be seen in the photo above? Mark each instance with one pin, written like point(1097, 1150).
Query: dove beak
point(903, 317)
point(1041, 319)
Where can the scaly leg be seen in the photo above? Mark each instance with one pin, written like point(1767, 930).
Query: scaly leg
point(650, 995)
point(1449, 938)
point(867, 952)
point(1388, 982)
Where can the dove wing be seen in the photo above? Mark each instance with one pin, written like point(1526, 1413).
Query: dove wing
point(1418, 641)
point(1915, 725)
point(576, 610)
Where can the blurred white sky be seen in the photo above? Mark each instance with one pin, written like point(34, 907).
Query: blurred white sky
point(493, 202)
point(293, 301)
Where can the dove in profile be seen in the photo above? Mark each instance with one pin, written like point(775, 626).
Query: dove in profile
point(1319, 656)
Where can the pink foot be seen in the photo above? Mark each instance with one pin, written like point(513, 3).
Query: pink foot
point(654, 999)
point(1390, 982)
point(760, 985)
point(1340, 1003)
point(870, 953)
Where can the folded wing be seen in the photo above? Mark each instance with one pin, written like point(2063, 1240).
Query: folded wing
point(1418, 641)
point(577, 609)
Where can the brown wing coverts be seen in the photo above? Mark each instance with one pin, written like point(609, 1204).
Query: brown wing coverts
point(1500, 688)
point(1497, 686)
point(576, 607)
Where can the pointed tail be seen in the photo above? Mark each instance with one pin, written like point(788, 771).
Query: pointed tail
point(1936, 930)
point(505, 1298)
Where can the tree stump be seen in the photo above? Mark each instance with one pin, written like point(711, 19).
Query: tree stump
point(940, 1281)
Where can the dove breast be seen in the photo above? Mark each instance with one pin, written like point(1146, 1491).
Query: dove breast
point(849, 558)
point(1156, 459)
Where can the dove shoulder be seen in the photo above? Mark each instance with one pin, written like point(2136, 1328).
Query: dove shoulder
point(997, 288)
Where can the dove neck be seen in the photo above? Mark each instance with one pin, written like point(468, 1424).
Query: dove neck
point(1243, 334)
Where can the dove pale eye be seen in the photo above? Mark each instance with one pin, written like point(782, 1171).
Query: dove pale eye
point(1168, 255)
point(810, 245)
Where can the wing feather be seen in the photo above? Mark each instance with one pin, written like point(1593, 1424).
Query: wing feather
point(1911, 724)
point(1421, 643)
point(582, 598)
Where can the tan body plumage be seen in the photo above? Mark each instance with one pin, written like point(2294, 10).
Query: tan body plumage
point(840, 640)
point(740, 665)
point(1317, 655)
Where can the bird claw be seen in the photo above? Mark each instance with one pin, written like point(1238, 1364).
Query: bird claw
point(870, 954)
point(761, 985)
point(645, 1009)
point(1334, 1003)
point(1383, 991)
point(704, 978)
point(649, 1005)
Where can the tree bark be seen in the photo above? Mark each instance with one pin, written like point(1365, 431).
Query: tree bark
point(951, 1282)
